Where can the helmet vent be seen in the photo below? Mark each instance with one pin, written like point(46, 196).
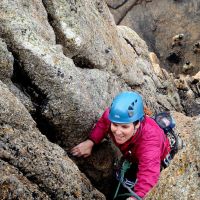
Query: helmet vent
point(130, 111)
point(130, 108)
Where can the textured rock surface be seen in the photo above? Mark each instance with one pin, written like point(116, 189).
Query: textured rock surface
point(14, 185)
point(6, 74)
point(58, 88)
point(159, 23)
point(65, 61)
point(6, 62)
point(189, 91)
point(92, 45)
point(40, 167)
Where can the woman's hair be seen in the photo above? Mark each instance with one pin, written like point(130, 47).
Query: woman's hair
point(136, 122)
point(147, 111)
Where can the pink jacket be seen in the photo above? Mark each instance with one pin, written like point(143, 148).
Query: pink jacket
point(147, 148)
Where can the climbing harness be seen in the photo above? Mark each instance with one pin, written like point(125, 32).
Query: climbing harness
point(125, 182)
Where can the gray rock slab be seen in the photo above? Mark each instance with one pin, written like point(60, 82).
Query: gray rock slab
point(39, 161)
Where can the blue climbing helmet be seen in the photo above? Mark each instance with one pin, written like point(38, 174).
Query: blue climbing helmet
point(126, 107)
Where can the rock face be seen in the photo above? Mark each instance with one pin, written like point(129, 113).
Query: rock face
point(159, 23)
point(6, 74)
point(14, 185)
point(61, 90)
point(189, 91)
point(31, 166)
point(61, 63)
point(170, 29)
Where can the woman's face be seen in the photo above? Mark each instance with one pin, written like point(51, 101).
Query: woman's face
point(123, 132)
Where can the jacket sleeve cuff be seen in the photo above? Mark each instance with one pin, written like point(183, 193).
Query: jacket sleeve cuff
point(90, 138)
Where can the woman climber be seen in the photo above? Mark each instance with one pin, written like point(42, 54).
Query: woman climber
point(141, 141)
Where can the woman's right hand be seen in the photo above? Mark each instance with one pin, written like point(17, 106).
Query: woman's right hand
point(83, 149)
